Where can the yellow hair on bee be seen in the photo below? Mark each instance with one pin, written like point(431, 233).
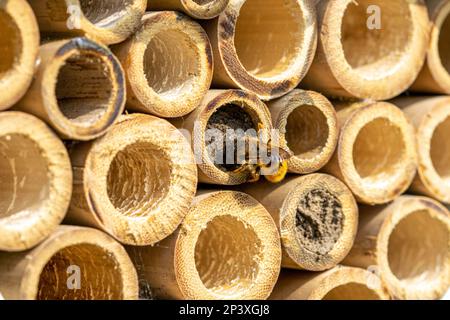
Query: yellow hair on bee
point(280, 174)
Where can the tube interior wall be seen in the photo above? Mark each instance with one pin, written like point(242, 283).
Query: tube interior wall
point(440, 150)
point(306, 131)
point(419, 249)
point(104, 13)
point(10, 43)
point(376, 51)
point(268, 36)
point(378, 150)
point(139, 178)
point(24, 176)
point(227, 255)
point(98, 272)
point(444, 44)
point(351, 291)
point(171, 63)
point(84, 88)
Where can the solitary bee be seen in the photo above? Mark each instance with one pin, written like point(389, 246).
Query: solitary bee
point(274, 170)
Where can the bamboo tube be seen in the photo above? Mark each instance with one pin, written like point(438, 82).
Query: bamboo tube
point(435, 76)
point(227, 247)
point(79, 89)
point(339, 283)
point(19, 43)
point(222, 110)
point(36, 181)
point(376, 153)
point(307, 125)
point(198, 9)
point(99, 266)
point(136, 182)
point(316, 215)
point(409, 242)
point(263, 46)
point(431, 118)
point(356, 58)
point(106, 21)
point(168, 65)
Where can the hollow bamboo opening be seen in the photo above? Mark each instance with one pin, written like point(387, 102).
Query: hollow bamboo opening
point(440, 150)
point(73, 263)
point(138, 180)
point(444, 47)
point(168, 64)
point(376, 155)
point(35, 194)
point(104, 12)
point(19, 43)
point(339, 283)
point(307, 125)
point(198, 9)
point(268, 45)
point(361, 59)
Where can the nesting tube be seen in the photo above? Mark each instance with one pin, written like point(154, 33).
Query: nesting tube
point(79, 89)
point(307, 125)
point(227, 247)
point(435, 75)
point(376, 153)
point(409, 242)
point(431, 118)
point(263, 46)
point(136, 182)
point(369, 48)
point(220, 111)
point(74, 263)
point(168, 65)
point(339, 283)
point(19, 48)
point(36, 181)
point(198, 9)
point(316, 215)
point(106, 21)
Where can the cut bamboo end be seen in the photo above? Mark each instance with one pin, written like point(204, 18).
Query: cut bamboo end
point(106, 21)
point(431, 118)
point(307, 125)
point(168, 65)
point(339, 283)
point(376, 154)
point(198, 9)
point(223, 110)
point(19, 47)
point(359, 58)
point(435, 75)
point(36, 180)
point(136, 182)
point(74, 263)
point(317, 217)
point(227, 247)
point(263, 46)
point(409, 241)
point(79, 89)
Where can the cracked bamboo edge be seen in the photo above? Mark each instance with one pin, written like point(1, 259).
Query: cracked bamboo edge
point(268, 56)
point(196, 124)
point(198, 9)
point(435, 76)
point(431, 118)
point(408, 241)
point(227, 247)
point(339, 283)
point(136, 182)
point(19, 44)
point(36, 181)
point(106, 21)
point(79, 89)
point(44, 272)
point(350, 61)
point(282, 202)
point(307, 125)
point(376, 154)
point(168, 65)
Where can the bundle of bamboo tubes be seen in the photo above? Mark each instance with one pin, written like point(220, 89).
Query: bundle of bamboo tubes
point(121, 130)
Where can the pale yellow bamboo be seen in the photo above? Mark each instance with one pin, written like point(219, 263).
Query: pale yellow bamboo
point(199, 9)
